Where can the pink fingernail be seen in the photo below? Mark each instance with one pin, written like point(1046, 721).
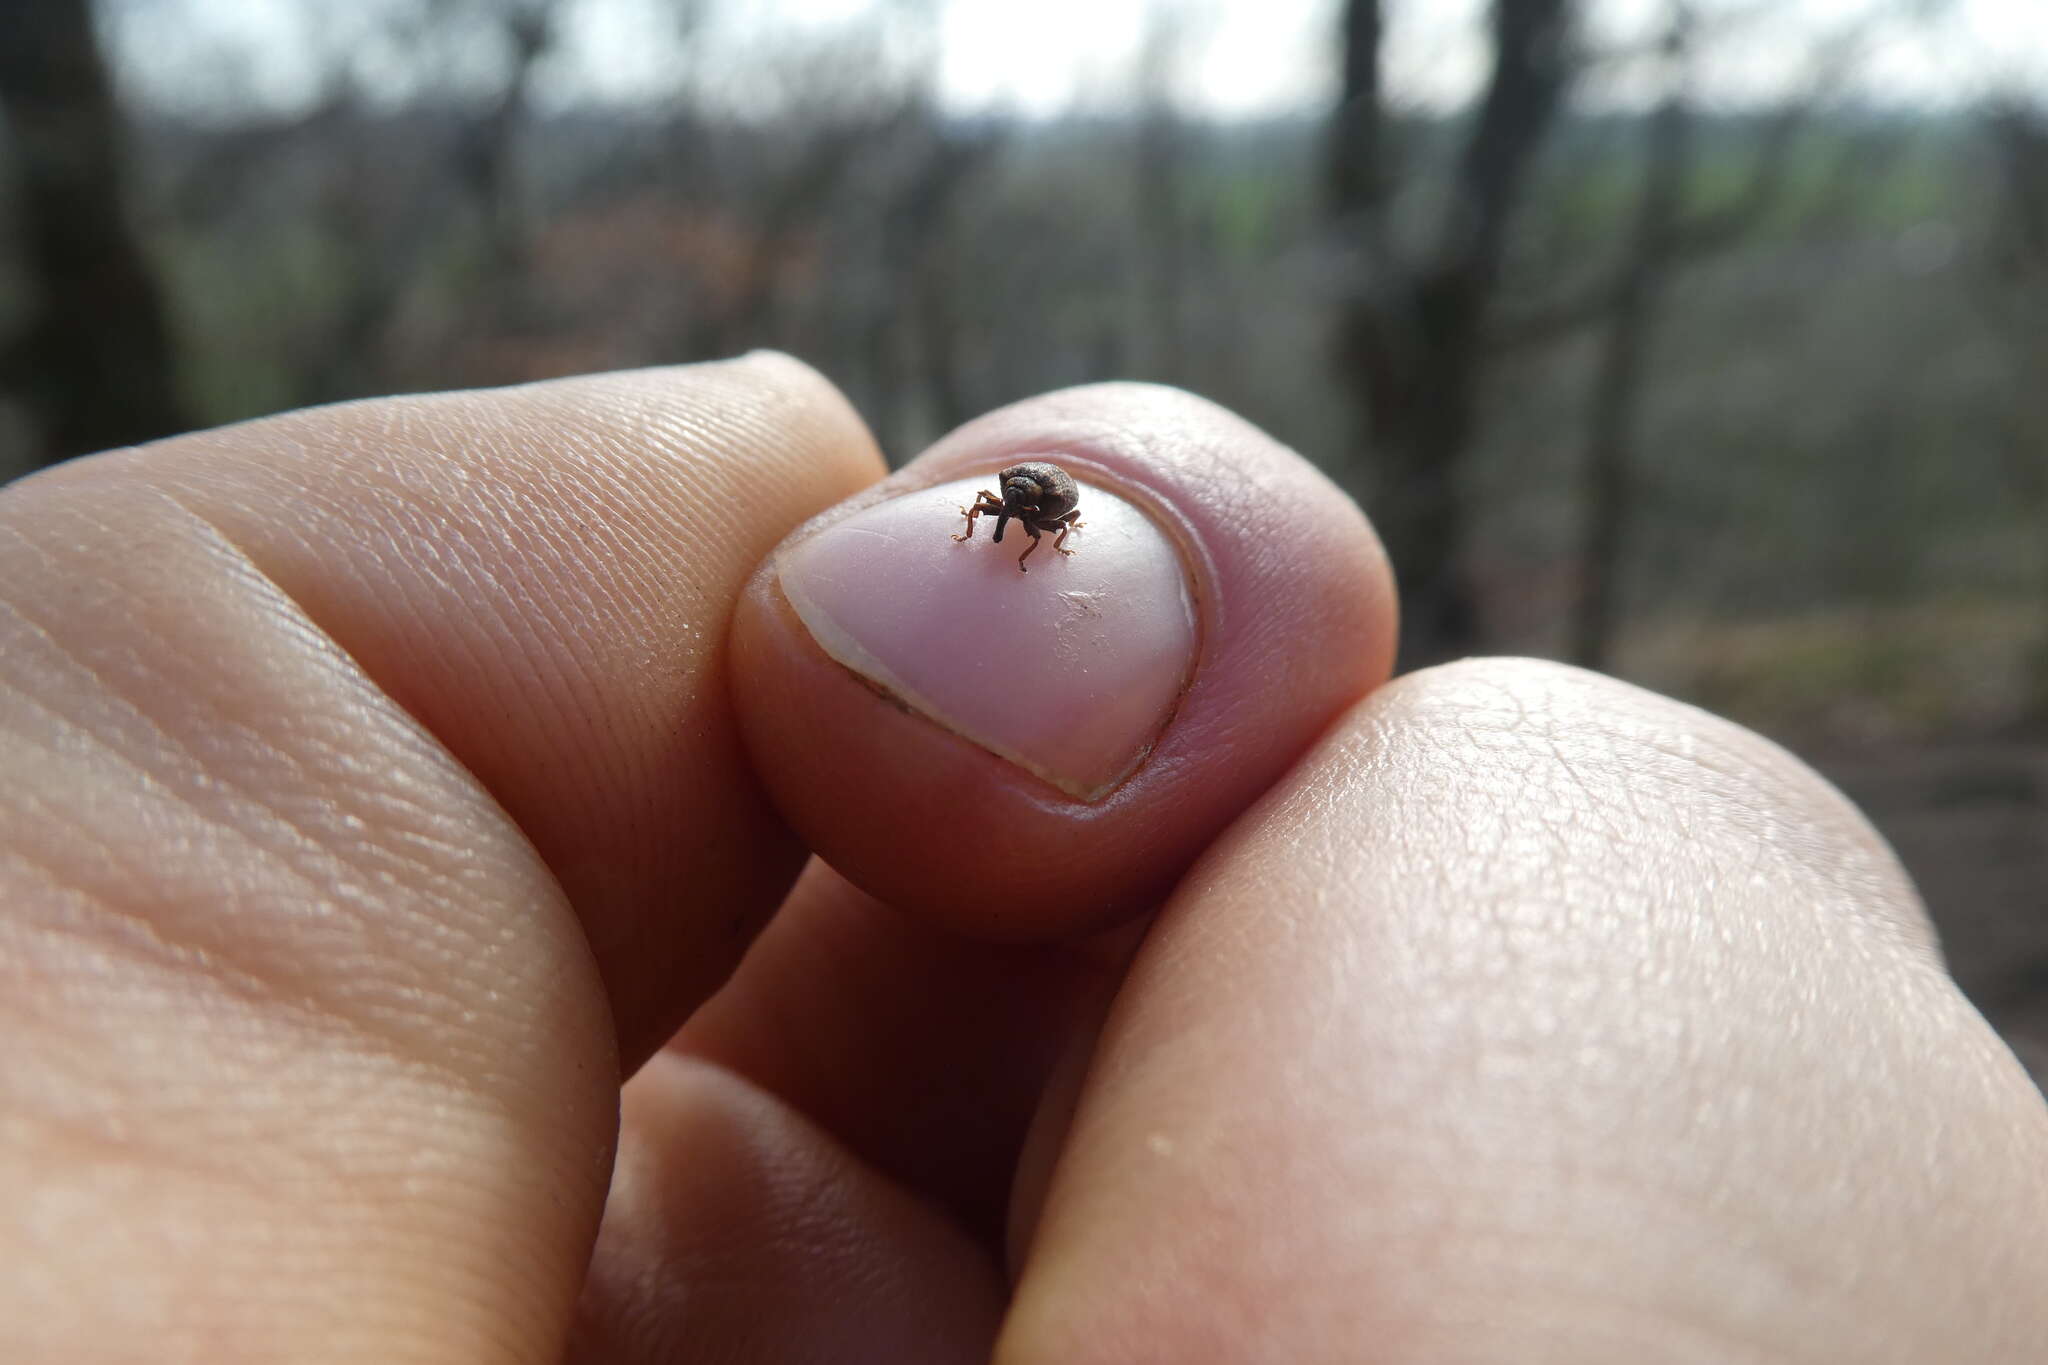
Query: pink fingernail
point(1069, 670)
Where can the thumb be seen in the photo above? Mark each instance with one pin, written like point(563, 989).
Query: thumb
point(1030, 755)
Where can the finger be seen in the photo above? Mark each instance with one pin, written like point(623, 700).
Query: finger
point(923, 1052)
point(739, 1232)
point(1537, 1018)
point(373, 787)
point(542, 577)
point(1024, 755)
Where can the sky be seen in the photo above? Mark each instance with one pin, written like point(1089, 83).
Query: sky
point(1228, 58)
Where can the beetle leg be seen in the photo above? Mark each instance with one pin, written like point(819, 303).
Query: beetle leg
point(1062, 524)
point(984, 501)
point(1028, 548)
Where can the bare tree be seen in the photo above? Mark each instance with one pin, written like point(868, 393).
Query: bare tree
point(1636, 299)
point(383, 217)
point(95, 361)
point(914, 333)
point(399, 213)
point(1412, 334)
point(2018, 134)
point(485, 150)
point(1663, 240)
point(917, 341)
point(1159, 152)
point(1357, 174)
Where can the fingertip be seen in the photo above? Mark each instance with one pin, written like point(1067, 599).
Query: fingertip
point(1023, 754)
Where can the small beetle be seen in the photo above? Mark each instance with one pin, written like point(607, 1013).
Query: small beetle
point(1039, 495)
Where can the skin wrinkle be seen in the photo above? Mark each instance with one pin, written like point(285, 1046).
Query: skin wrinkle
point(141, 939)
point(464, 577)
point(361, 1188)
point(318, 876)
point(1738, 785)
point(1755, 783)
point(155, 784)
point(625, 764)
point(571, 483)
point(413, 513)
point(1762, 836)
point(384, 1020)
point(117, 1153)
point(213, 1137)
point(411, 523)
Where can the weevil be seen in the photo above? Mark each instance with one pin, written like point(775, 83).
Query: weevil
point(1040, 495)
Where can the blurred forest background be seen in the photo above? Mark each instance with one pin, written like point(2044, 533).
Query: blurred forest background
point(1703, 341)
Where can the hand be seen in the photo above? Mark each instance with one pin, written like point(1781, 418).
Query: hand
point(386, 781)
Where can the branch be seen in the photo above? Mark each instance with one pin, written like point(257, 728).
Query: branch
point(1689, 241)
point(1708, 232)
point(1531, 71)
point(1357, 173)
point(1833, 63)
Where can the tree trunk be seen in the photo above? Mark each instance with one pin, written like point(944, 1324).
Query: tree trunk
point(2019, 134)
point(1624, 359)
point(913, 339)
point(1356, 180)
point(1412, 341)
point(1156, 181)
point(1356, 175)
point(486, 151)
point(94, 360)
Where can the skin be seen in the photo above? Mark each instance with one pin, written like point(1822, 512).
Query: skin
point(388, 781)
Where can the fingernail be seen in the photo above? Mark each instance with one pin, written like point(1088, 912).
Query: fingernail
point(1069, 670)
